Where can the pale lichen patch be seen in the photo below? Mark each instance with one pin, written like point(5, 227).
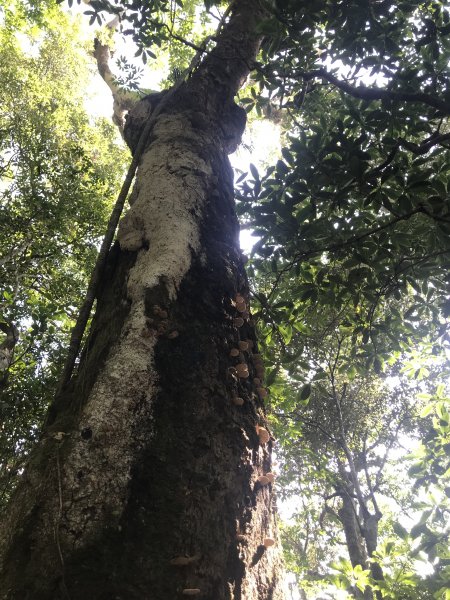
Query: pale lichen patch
point(173, 182)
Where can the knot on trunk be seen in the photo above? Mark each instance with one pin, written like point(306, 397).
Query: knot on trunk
point(232, 124)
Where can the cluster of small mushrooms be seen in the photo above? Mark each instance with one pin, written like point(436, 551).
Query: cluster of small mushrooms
point(241, 370)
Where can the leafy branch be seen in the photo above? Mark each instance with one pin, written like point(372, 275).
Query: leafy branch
point(375, 93)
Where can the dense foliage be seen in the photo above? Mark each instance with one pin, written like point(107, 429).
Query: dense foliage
point(59, 173)
point(350, 272)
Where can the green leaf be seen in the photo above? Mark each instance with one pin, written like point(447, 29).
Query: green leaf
point(254, 171)
point(427, 410)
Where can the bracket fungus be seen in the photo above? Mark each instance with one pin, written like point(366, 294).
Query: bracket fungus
point(270, 477)
point(268, 542)
point(234, 352)
point(262, 392)
point(238, 401)
point(260, 371)
point(243, 346)
point(263, 480)
point(242, 370)
point(259, 365)
point(238, 321)
point(263, 434)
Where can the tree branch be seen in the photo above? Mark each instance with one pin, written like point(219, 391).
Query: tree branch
point(375, 93)
point(123, 101)
point(422, 148)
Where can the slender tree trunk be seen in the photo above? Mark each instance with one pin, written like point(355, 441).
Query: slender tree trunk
point(354, 540)
point(144, 485)
point(348, 515)
point(353, 537)
point(371, 539)
point(361, 540)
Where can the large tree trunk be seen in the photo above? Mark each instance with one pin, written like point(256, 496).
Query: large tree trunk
point(148, 460)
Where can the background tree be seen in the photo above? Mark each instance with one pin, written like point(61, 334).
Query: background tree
point(432, 492)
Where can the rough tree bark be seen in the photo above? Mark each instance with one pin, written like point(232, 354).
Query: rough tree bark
point(7, 347)
point(145, 482)
point(355, 544)
point(360, 529)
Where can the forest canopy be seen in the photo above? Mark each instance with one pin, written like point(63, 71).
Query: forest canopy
point(349, 275)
